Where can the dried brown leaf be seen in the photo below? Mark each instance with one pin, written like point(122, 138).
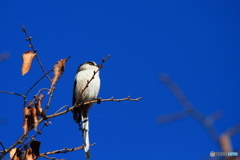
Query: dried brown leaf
point(27, 61)
point(38, 105)
point(29, 154)
point(35, 118)
point(35, 145)
point(27, 121)
point(15, 154)
point(58, 70)
point(30, 118)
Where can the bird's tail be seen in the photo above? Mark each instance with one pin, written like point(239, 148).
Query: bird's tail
point(85, 130)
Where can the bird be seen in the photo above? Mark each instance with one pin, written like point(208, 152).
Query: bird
point(85, 73)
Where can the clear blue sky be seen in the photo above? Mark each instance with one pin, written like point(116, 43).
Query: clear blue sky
point(197, 43)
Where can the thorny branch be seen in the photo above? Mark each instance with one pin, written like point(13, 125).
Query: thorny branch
point(34, 50)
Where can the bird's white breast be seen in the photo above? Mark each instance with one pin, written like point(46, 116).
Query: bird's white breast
point(91, 92)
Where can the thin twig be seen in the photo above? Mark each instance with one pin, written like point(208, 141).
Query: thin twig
point(2, 147)
point(34, 50)
point(183, 114)
point(37, 82)
point(40, 91)
point(61, 108)
point(172, 117)
point(37, 133)
point(233, 130)
point(49, 101)
point(12, 146)
point(65, 150)
point(93, 101)
point(53, 158)
point(13, 93)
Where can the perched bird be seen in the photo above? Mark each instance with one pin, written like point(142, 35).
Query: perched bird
point(80, 113)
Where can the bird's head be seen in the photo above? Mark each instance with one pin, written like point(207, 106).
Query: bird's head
point(88, 65)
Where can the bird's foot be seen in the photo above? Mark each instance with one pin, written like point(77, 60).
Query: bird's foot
point(99, 100)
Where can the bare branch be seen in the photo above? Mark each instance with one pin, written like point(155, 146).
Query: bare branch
point(189, 108)
point(12, 146)
point(49, 101)
point(71, 108)
point(225, 142)
point(61, 108)
point(34, 50)
point(20, 139)
point(65, 150)
point(13, 93)
point(53, 158)
point(46, 74)
point(215, 116)
point(172, 117)
point(183, 114)
point(41, 91)
point(2, 147)
point(93, 101)
point(233, 130)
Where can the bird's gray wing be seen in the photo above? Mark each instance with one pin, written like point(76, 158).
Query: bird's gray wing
point(73, 98)
point(75, 109)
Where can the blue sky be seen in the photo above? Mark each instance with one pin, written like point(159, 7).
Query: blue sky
point(197, 43)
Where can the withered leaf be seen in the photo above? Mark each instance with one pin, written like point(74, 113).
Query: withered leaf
point(38, 105)
point(58, 70)
point(35, 118)
point(30, 118)
point(35, 145)
point(27, 61)
point(15, 154)
point(27, 121)
point(29, 154)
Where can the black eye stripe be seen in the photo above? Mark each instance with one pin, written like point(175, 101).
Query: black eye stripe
point(91, 63)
